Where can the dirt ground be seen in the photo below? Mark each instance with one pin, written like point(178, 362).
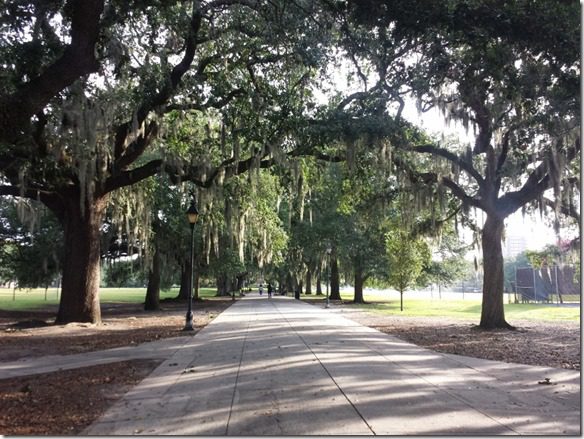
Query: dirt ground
point(65, 402)
point(536, 343)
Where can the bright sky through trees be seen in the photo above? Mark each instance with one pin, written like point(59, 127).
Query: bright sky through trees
point(529, 226)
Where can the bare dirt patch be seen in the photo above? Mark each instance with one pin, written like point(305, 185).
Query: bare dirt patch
point(31, 334)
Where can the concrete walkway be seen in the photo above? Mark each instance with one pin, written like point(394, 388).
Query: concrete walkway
point(282, 367)
point(159, 349)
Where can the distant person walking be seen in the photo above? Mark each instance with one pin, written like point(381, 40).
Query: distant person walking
point(261, 289)
point(270, 290)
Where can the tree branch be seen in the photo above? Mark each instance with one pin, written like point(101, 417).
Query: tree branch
point(482, 119)
point(459, 193)
point(432, 225)
point(538, 181)
point(453, 158)
point(433, 178)
point(137, 147)
point(567, 210)
point(252, 4)
point(503, 156)
point(211, 103)
point(133, 176)
point(77, 60)
point(360, 95)
point(300, 152)
point(124, 131)
point(50, 199)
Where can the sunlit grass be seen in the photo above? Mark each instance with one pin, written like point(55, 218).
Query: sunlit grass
point(535, 311)
point(470, 308)
point(380, 303)
point(464, 309)
point(30, 299)
point(429, 308)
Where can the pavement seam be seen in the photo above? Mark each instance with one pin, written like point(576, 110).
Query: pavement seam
point(237, 376)
point(412, 373)
point(327, 371)
point(452, 395)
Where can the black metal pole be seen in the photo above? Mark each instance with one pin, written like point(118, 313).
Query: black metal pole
point(189, 317)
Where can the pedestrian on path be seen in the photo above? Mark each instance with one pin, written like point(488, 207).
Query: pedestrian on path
point(261, 288)
point(270, 290)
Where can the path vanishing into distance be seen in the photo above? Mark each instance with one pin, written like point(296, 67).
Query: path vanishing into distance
point(283, 367)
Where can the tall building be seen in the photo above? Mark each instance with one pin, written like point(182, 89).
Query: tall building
point(514, 244)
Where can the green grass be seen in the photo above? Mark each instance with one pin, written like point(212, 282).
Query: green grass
point(542, 312)
point(467, 309)
point(461, 309)
point(429, 308)
point(32, 299)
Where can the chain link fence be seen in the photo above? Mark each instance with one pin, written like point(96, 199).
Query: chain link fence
point(552, 284)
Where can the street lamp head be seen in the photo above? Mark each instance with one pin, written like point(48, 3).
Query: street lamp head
point(192, 213)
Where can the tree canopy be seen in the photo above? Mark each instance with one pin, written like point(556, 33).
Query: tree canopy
point(235, 101)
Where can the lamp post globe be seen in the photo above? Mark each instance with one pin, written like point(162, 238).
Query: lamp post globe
point(328, 261)
point(192, 216)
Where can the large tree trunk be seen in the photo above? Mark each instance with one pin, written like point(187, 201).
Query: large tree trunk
point(225, 285)
point(282, 287)
point(290, 283)
point(81, 269)
point(493, 311)
point(152, 302)
point(185, 280)
point(359, 282)
point(309, 281)
point(319, 282)
point(222, 285)
point(558, 289)
point(334, 277)
point(240, 281)
point(185, 271)
point(548, 282)
point(297, 287)
point(196, 281)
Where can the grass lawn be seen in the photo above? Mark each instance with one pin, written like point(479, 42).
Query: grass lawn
point(465, 309)
point(26, 299)
point(462, 309)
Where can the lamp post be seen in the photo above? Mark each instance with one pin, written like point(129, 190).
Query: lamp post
point(192, 216)
point(328, 263)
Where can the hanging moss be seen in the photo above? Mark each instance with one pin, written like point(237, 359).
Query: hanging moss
point(130, 209)
point(83, 139)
